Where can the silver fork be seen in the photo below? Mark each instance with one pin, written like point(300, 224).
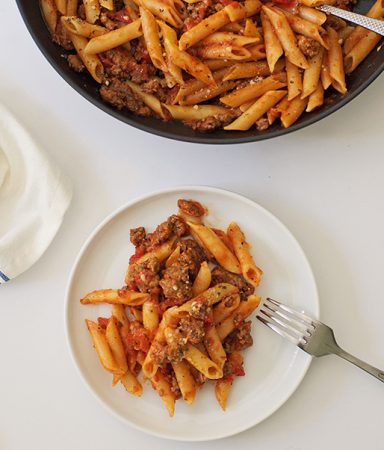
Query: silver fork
point(367, 22)
point(310, 335)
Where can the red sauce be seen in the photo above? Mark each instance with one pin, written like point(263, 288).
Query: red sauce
point(139, 252)
point(120, 16)
point(287, 3)
point(103, 322)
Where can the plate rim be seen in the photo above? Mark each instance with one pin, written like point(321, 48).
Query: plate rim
point(109, 218)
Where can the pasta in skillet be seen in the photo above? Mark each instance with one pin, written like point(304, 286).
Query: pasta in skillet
point(212, 63)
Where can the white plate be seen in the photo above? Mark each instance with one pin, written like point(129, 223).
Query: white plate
point(274, 368)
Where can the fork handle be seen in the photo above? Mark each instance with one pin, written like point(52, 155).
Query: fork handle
point(379, 374)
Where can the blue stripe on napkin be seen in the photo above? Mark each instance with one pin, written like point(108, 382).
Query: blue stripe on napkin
point(3, 277)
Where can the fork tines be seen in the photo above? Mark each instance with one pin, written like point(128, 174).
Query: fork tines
point(286, 321)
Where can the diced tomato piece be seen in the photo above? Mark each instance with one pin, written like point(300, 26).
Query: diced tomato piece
point(120, 16)
point(103, 322)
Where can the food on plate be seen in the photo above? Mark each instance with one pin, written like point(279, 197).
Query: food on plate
point(180, 320)
point(212, 63)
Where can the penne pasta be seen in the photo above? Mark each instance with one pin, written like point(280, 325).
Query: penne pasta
point(202, 280)
point(214, 347)
point(91, 62)
point(102, 348)
point(192, 65)
point(286, 37)
point(197, 113)
point(118, 311)
point(72, 6)
point(202, 363)
point(316, 99)
point(311, 75)
point(273, 48)
point(358, 53)
point(325, 76)
point(169, 41)
point(238, 11)
point(150, 316)
point(216, 246)
point(150, 365)
point(114, 38)
point(115, 297)
point(293, 111)
point(116, 345)
point(225, 38)
point(294, 80)
point(185, 380)
point(254, 90)
point(255, 112)
point(152, 40)
point(61, 6)
point(164, 10)
point(108, 4)
point(251, 29)
point(217, 64)
point(173, 257)
point(207, 93)
point(131, 384)
point(250, 271)
point(251, 69)
point(276, 111)
point(305, 27)
point(312, 15)
point(162, 251)
point(335, 62)
point(375, 12)
point(92, 10)
point(81, 27)
point(203, 29)
point(163, 388)
point(211, 296)
point(222, 390)
point(231, 52)
point(225, 308)
point(242, 312)
point(49, 10)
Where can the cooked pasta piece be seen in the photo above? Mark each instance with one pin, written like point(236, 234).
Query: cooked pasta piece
point(254, 90)
point(358, 53)
point(249, 269)
point(311, 75)
point(152, 39)
point(273, 48)
point(102, 348)
point(216, 246)
point(316, 99)
point(92, 10)
point(81, 27)
point(163, 387)
point(286, 37)
point(255, 112)
point(225, 308)
point(293, 111)
point(114, 38)
point(294, 80)
point(243, 311)
point(335, 62)
point(115, 297)
point(202, 280)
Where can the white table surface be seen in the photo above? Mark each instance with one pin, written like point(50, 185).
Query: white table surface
point(325, 183)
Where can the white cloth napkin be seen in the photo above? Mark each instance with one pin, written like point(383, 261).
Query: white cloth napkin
point(34, 196)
